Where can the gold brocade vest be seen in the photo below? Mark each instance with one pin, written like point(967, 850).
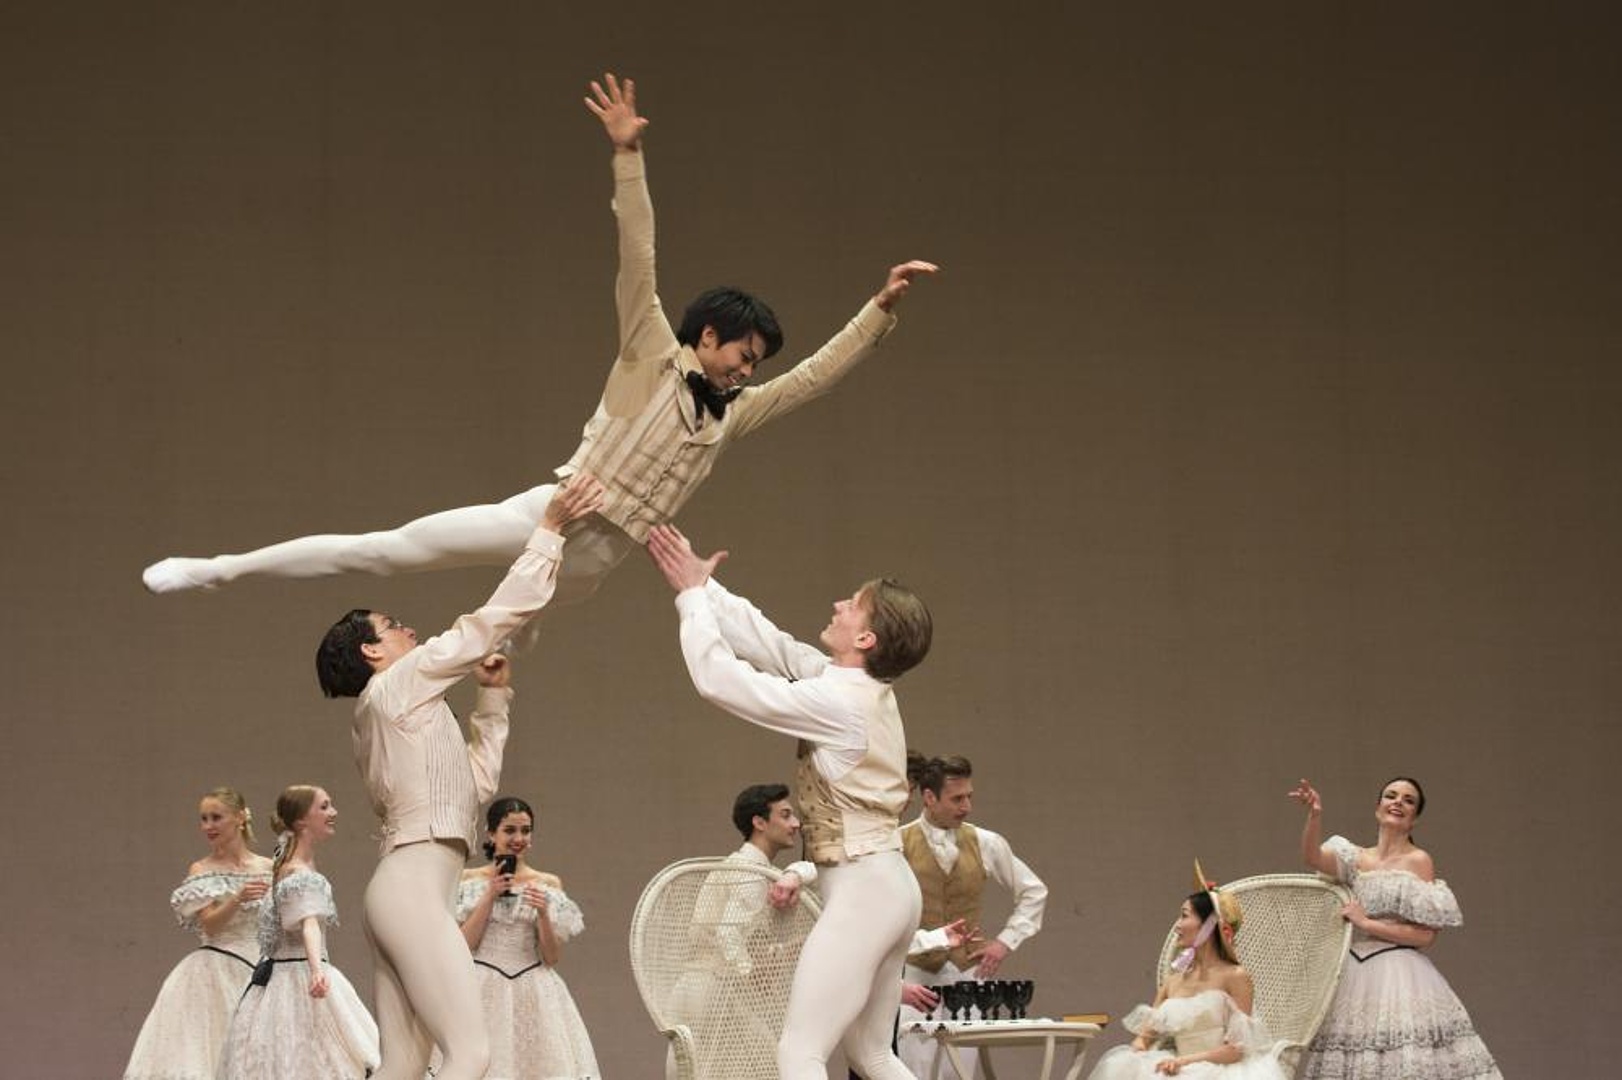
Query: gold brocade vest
point(857, 814)
point(947, 896)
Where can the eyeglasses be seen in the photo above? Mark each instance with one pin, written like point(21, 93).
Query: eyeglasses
point(390, 624)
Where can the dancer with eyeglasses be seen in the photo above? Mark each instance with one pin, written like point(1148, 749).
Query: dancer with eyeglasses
point(427, 783)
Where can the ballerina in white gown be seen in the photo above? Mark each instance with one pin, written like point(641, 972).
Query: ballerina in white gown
point(1393, 1016)
point(219, 900)
point(300, 1019)
point(517, 924)
point(1200, 1023)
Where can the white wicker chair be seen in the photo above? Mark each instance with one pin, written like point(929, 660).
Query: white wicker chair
point(1292, 942)
point(713, 963)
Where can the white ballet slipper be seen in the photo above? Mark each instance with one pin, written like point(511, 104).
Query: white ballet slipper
point(178, 575)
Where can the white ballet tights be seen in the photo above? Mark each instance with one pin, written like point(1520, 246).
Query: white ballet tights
point(426, 989)
point(869, 912)
point(488, 535)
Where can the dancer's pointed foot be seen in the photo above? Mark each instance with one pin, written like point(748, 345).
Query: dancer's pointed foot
point(179, 575)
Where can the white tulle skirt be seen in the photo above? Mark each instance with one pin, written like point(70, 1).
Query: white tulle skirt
point(1125, 1063)
point(280, 1032)
point(184, 1032)
point(535, 1029)
point(1394, 1017)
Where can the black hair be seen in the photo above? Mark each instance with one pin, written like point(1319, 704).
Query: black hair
point(755, 801)
point(936, 771)
point(497, 813)
point(734, 314)
point(1203, 906)
point(339, 666)
point(916, 763)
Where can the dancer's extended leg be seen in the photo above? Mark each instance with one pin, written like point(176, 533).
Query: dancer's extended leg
point(489, 535)
point(860, 941)
point(408, 913)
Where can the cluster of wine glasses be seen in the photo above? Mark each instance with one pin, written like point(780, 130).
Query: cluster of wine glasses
point(991, 996)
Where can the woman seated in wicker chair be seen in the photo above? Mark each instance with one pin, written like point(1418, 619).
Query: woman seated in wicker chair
point(1200, 1023)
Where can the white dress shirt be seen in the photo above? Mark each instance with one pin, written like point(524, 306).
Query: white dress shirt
point(425, 782)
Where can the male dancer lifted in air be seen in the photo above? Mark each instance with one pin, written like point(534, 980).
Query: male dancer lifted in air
point(674, 400)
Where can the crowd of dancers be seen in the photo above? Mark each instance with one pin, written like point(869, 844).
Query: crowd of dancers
point(1393, 1014)
point(465, 960)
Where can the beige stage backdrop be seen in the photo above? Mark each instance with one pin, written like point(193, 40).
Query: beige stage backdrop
point(1263, 422)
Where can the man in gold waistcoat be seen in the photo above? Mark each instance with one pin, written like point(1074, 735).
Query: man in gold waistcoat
point(953, 861)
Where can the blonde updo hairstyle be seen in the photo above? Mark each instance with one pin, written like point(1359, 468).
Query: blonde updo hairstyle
point(232, 800)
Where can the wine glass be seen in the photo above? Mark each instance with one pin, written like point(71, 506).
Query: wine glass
point(988, 995)
point(1020, 993)
point(959, 997)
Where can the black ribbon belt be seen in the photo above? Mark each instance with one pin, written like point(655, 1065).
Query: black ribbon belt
point(227, 952)
point(1376, 952)
point(262, 970)
point(503, 972)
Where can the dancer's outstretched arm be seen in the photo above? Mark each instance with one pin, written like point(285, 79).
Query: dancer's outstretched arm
point(805, 709)
point(821, 371)
point(491, 534)
point(645, 336)
point(745, 628)
point(644, 333)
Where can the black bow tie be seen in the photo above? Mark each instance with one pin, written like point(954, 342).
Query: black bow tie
point(708, 397)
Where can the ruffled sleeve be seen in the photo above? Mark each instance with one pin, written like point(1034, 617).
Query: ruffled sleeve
point(567, 919)
point(1141, 1020)
point(301, 895)
point(1246, 1032)
point(1345, 853)
point(197, 892)
point(1401, 895)
point(467, 896)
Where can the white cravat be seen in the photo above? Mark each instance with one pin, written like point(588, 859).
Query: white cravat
point(942, 842)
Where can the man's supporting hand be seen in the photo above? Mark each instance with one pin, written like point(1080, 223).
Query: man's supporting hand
point(673, 554)
point(580, 496)
point(494, 671)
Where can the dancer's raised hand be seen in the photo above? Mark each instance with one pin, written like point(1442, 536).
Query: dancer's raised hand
point(900, 280)
point(616, 108)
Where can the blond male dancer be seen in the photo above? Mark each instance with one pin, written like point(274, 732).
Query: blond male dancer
point(851, 787)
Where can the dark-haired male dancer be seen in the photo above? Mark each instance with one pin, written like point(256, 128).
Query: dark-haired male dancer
point(426, 785)
point(674, 400)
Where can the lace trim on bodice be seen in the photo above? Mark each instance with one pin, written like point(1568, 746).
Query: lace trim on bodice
point(511, 943)
point(198, 891)
point(568, 921)
point(1396, 894)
